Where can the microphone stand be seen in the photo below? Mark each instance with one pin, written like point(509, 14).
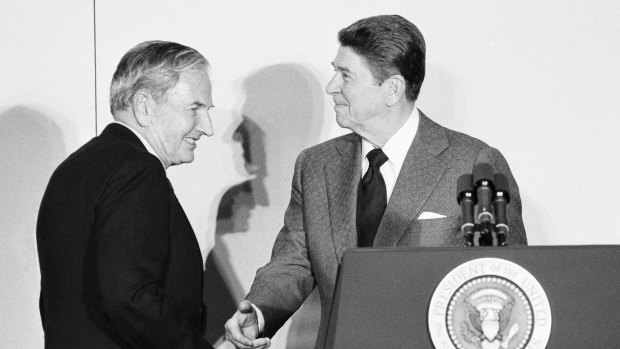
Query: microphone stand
point(501, 198)
point(478, 190)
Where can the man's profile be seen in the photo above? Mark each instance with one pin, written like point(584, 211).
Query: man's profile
point(120, 265)
point(391, 182)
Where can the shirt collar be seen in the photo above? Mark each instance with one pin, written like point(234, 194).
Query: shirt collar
point(397, 146)
point(143, 140)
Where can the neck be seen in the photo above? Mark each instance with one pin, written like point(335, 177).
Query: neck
point(381, 128)
point(144, 131)
point(129, 120)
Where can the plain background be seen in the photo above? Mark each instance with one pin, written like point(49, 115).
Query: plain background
point(539, 80)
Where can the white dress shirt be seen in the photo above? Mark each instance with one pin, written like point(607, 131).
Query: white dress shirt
point(395, 149)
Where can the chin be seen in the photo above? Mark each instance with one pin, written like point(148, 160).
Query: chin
point(347, 124)
point(343, 121)
point(186, 158)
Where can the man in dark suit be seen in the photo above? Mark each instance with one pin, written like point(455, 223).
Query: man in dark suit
point(389, 183)
point(120, 264)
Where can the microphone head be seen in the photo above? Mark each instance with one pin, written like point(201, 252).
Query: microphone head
point(502, 186)
point(483, 172)
point(464, 185)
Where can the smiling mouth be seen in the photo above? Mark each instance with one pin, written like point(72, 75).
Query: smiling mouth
point(191, 141)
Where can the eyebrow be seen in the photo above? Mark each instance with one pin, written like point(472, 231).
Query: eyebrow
point(200, 105)
point(341, 68)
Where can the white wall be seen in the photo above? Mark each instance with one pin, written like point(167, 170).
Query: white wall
point(47, 109)
point(538, 80)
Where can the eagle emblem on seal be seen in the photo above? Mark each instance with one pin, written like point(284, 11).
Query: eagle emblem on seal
point(489, 303)
point(489, 313)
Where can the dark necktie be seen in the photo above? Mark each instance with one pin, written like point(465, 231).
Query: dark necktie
point(371, 199)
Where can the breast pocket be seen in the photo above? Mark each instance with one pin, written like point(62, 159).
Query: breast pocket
point(435, 232)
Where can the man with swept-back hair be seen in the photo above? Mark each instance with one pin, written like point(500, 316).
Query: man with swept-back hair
point(391, 45)
point(120, 264)
point(392, 182)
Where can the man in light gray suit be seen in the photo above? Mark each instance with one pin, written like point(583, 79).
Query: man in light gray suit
point(379, 69)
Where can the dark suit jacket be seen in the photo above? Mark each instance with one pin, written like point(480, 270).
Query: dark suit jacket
point(320, 220)
point(120, 264)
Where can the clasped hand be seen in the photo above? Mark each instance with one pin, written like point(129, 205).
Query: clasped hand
point(242, 328)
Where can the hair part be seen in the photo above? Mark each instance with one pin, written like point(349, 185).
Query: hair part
point(391, 45)
point(154, 67)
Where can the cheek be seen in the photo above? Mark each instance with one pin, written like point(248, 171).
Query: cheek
point(353, 103)
point(359, 100)
point(174, 134)
point(359, 108)
point(181, 127)
point(348, 94)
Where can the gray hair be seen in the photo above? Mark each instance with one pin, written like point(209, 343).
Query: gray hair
point(152, 66)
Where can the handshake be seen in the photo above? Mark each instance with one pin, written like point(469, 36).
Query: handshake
point(243, 328)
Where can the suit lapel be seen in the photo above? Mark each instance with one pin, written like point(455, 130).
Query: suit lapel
point(418, 177)
point(342, 176)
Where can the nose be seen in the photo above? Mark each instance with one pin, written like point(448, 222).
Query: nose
point(333, 86)
point(204, 124)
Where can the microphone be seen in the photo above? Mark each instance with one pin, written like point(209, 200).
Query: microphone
point(466, 199)
point(501, 198)
point(483, 185)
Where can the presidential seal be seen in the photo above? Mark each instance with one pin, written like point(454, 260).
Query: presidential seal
point(489, 303)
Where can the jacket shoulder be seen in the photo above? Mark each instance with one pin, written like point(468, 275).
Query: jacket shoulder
point(330, 148)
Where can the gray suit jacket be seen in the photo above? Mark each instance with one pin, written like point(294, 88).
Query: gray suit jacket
point(320, 221)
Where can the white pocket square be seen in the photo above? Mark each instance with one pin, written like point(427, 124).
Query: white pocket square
point(430, 215)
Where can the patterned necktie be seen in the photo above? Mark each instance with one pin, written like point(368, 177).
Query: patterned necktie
point(371, 199)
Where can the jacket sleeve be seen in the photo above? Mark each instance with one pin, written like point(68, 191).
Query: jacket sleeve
point(281, 286)
point(516, 234)
point(131, 224)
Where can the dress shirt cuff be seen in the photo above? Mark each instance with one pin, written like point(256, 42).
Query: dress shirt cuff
point(261, 319)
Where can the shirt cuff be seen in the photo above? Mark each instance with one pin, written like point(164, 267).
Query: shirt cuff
point(261, 318)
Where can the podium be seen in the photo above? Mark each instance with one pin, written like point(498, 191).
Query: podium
point(393, 298)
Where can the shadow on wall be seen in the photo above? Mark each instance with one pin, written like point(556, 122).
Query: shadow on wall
point(282, 115)
point(31, 147)
point(233, 216)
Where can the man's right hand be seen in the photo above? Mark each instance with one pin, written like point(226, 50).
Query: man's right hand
point(242, 329)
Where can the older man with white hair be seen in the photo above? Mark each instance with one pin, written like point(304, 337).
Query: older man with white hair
point(120, 265)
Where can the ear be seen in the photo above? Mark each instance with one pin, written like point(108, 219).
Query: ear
point(142, 108)
point(395, 87)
